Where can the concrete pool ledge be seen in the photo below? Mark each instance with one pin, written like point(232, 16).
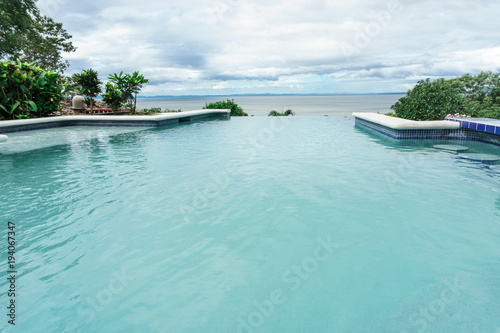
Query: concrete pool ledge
point(9, 126)
point(405, 124)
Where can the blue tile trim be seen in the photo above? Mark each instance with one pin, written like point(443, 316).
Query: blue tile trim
point(442, 134)
point(479, 124)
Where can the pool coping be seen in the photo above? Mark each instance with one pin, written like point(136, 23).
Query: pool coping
point(9, 126)
point(404, 124)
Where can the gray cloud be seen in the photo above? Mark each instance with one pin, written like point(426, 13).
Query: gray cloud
point(277, 46)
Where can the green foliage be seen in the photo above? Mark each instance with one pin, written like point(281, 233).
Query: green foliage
point(27, 91)
point(430, 100)
point(236, 110)
point(158, 110)
point(475, 96)
point(113, 96)
point(90, 85)
point(28, 35)
point(15, 23)
point(130, 85)
point(152, 110)
point(71, 87)
point(275, 113)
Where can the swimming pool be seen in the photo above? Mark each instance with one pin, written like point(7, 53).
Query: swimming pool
point(305, 224)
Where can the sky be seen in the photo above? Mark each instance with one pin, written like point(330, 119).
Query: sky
point(222, 47)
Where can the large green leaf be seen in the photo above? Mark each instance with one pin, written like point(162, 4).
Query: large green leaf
point(34, 108)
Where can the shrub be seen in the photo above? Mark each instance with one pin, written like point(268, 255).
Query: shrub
point(476, 96)
point(275, 113)
point(113, 96)
point(28, 91)
point(152, 110)
point(130, 85)
point(431, 101)
point(236, 110)
point(89, 83)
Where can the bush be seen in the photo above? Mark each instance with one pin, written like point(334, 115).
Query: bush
point(27, 91)
point(113, 96)
point(89, 84)
point(475, 96)
point(236, 110)
point(152, 110)
point(431, 101)
point(275, 113)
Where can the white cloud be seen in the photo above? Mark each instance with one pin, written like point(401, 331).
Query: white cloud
point(277, 46)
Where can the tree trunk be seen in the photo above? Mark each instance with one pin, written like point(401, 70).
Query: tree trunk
point(135, 102)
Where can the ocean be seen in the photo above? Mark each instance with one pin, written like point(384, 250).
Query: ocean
point(302, 105)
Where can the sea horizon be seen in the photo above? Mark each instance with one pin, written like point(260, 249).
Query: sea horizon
point(339, 105)
point(270, 94)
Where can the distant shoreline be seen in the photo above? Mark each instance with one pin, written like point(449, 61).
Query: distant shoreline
point(271, 95)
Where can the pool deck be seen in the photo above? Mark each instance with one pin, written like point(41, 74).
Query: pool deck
point(9, 126)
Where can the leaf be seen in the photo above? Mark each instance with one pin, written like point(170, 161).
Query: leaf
point(34, 108)
point(14, 107)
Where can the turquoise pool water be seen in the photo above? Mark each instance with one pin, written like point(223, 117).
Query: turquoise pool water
point(305, 224)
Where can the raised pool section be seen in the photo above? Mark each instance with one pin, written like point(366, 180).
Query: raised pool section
point(164, 119)
point(470, 129)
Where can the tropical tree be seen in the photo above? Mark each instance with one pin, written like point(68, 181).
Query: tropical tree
point(236, 110)
point(130, 85)
point(15, 23)
point(28, 35)
point(46, 44)
point(113, 96)
point(90, 84)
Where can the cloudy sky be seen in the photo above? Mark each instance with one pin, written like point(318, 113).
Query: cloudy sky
point(205, 47)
